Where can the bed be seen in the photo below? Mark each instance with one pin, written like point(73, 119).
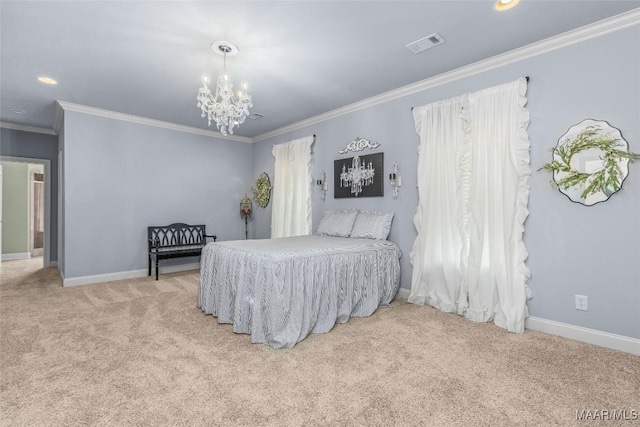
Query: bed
point(281, 290)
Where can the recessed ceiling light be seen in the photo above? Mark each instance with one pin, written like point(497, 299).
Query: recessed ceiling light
point(501, 5)
point(16, 111)
point(47, 80)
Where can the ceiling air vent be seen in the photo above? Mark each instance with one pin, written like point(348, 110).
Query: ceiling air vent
point(255, 116)
point(425, 43)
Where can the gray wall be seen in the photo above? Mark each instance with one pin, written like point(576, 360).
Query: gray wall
point(37, 146)
point(121, 177)
point(573, 249)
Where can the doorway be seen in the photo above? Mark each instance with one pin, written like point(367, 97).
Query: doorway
point(36, 210)
point(25, 209)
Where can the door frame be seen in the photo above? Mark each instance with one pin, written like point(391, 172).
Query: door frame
point(47, 201)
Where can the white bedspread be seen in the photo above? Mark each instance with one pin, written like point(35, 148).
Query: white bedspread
point(281, 290)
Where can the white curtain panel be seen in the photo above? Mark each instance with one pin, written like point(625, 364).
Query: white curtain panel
point(436, 254)
point(291, 209)
point(479, 245)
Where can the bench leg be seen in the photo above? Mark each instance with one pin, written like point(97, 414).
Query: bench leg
point(156, 268)
point(149, 265)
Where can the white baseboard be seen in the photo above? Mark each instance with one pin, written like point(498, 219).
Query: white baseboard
point(122, 275)
point(578, 333)
point(178, 268)
point(590, 336)
point(99, 278)
point(14, 256)
point(403, 293)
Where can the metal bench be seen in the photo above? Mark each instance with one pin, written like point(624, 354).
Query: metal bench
point(176, 241)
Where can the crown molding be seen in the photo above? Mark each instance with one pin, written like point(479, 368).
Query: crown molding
point(569, 38)
point(77, 108)
point(26, 128)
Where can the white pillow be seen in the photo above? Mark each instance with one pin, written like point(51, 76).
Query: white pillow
point(372, 225)
point(337, 224)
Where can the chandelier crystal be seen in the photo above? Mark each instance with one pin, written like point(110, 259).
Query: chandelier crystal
point(358, 175)
point(225, 107)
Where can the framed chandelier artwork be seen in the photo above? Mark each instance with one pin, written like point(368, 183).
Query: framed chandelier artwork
point(359, 176)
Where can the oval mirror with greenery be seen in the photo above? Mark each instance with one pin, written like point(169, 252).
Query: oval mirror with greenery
point(262, 190)
point(590, 162)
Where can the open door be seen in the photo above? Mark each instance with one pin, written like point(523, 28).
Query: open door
point(36, 223)
point(36, 213)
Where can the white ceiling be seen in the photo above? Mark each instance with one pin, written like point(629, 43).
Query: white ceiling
point(300, 58)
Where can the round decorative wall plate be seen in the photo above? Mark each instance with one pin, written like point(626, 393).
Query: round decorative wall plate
point(590, 162)
point(262, 190)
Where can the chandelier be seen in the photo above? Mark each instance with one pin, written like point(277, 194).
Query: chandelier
point(357, 175)
point(225, 107)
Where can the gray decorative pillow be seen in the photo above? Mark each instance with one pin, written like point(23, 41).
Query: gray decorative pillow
point(337, 224)
point(372, 225)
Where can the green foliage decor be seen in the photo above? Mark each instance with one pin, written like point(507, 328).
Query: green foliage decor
point(262, 190)
point(606, 180)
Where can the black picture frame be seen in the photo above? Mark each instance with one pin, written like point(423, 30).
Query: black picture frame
point(375, 189)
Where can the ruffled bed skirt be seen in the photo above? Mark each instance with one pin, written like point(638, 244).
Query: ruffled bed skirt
point(279, 299)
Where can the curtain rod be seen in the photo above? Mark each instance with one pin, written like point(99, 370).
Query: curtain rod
point(527, 77)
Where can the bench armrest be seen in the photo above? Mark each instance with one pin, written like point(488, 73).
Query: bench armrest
point(154, 243)
point(214, 237)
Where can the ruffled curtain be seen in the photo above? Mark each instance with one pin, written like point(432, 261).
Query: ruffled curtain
point(291, 211)
point(469, 254)
point(436, 254)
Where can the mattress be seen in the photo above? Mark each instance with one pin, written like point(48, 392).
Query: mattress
point(281, 290)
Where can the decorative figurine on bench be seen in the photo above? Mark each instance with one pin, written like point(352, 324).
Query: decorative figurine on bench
point(176, 241)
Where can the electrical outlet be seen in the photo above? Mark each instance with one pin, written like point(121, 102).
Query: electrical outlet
point(582, 302)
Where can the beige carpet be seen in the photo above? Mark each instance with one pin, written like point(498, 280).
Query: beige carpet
point(139, 352)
